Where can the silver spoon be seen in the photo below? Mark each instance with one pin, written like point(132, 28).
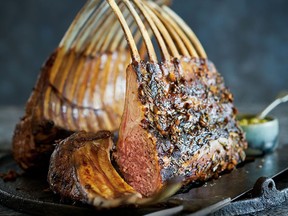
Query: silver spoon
point(272, 105)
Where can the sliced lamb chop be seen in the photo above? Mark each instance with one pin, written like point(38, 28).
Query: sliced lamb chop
point(80, 170)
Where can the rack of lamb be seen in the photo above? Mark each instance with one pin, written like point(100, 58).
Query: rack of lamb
point(131, 102)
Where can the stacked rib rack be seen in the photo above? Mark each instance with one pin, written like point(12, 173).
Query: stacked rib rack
point(174, 115)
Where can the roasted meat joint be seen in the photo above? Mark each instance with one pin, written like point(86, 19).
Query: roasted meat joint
point(128, 109)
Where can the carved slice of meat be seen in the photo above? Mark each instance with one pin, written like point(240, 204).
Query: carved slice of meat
point(178, 120)
point(81, 170)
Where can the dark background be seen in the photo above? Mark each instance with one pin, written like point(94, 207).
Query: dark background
point(246, 39)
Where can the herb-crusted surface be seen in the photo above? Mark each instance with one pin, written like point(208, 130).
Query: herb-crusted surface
point(187, 108)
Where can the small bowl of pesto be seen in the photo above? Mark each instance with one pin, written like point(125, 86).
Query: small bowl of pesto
point(262, 131)
point(262, 135)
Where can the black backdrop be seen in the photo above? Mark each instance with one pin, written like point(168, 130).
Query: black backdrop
point(247, 40)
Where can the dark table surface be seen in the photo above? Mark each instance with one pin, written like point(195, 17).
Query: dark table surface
point(9, 115)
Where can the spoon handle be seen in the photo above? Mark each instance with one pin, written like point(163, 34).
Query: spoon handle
point(271, 106)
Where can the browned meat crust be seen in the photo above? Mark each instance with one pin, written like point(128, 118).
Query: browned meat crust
point(34, 135)
point(178, 119)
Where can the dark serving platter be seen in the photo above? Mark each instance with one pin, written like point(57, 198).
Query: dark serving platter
point(30, 193)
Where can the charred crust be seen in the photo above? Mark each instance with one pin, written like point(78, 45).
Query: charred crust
point(83, 136)
point(62, 170)
point(185, 114)
point(79, 139)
